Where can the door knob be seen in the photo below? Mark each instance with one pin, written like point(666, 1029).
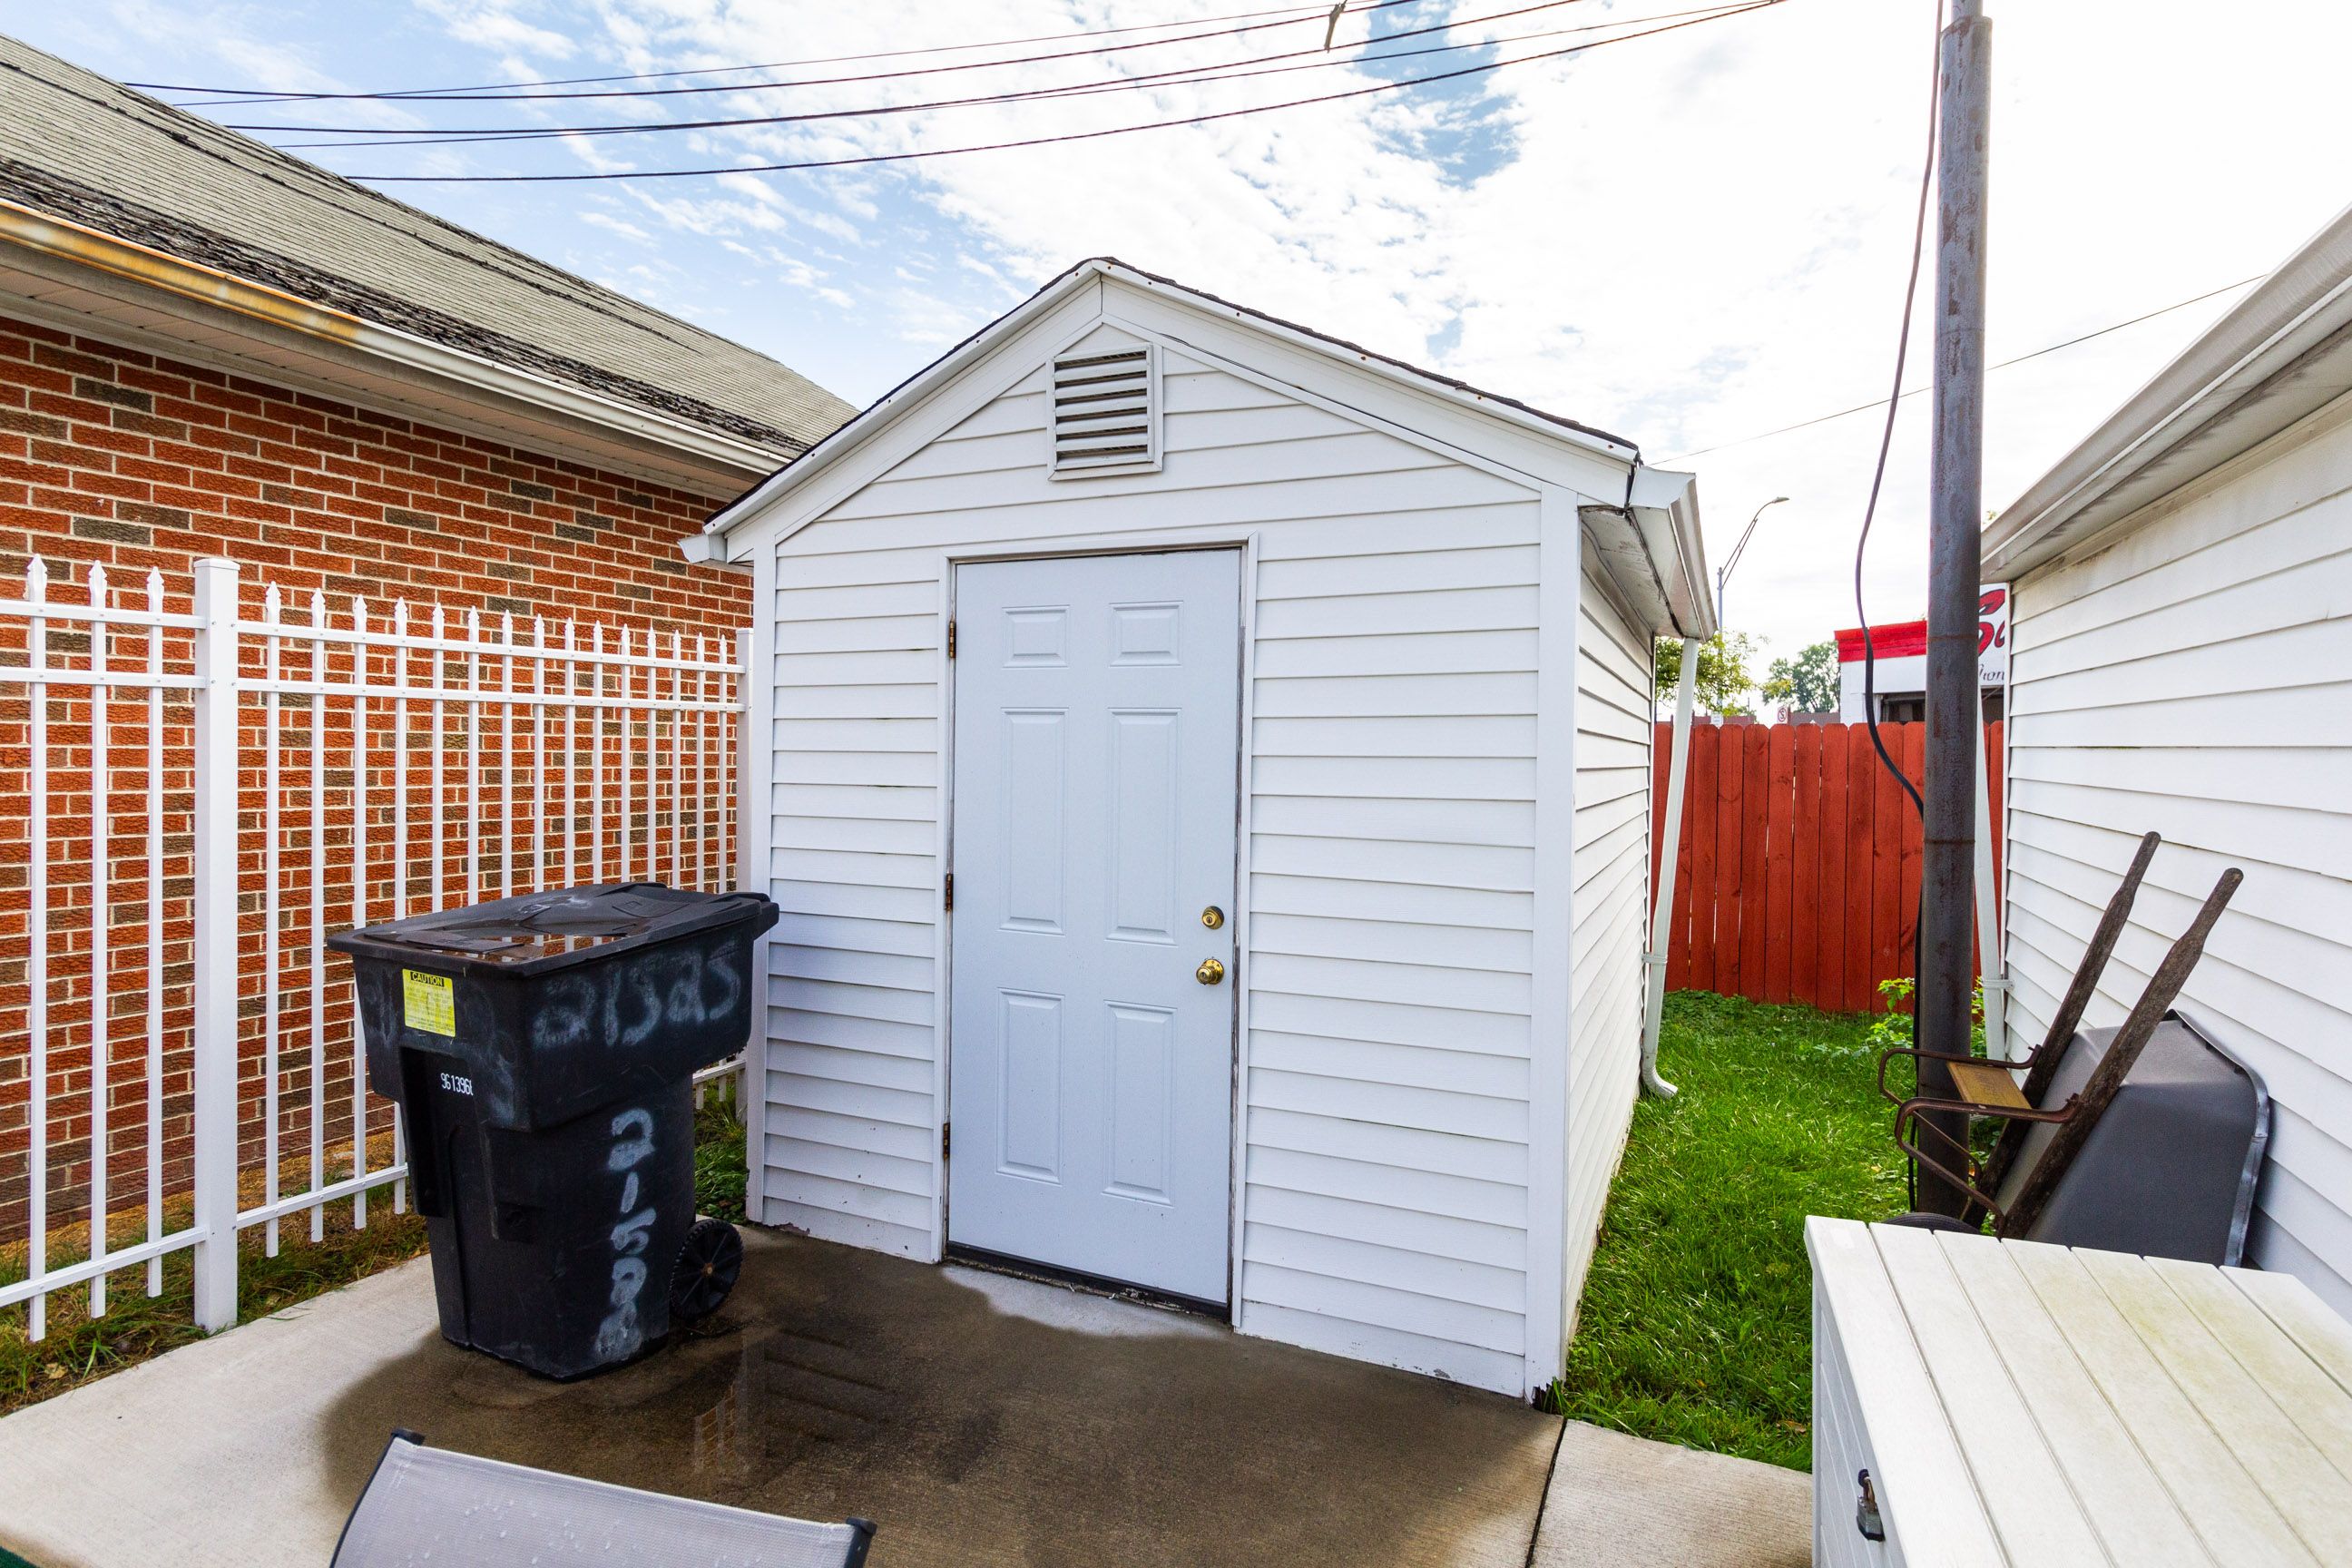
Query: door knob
point(1210, 971)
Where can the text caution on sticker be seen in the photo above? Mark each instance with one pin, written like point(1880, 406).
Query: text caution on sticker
point(429, 1004)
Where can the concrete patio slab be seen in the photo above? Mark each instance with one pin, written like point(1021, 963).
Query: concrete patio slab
point(980, 1419)
point(1617, 1501)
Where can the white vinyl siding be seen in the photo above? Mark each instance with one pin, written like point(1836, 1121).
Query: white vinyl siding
point(1388, 953)
point(1610, 905)
point(2195, 677)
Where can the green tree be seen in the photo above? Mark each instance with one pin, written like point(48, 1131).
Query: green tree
point(1807, 683)
point(1722, 681)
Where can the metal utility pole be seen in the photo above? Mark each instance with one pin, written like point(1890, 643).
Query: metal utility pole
point(1947, 968)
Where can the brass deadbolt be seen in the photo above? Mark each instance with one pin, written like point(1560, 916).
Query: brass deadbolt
point(1210, 971)
point(1213, 916)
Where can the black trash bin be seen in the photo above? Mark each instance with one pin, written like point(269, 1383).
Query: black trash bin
point(542, 1049)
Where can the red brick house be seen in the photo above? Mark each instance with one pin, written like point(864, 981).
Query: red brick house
point(209, 347)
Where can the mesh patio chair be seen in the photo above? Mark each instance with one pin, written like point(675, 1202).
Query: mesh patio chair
point(429, 1505)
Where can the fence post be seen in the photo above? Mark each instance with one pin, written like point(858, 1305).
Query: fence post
point(214, 875)
point(746, 872)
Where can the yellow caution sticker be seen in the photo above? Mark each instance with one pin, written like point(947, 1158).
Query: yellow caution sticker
point(429, 1003)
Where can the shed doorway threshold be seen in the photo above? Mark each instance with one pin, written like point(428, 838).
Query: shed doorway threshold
point(1090, 1284)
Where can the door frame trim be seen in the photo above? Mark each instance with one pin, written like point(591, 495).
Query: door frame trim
point(1162, 542)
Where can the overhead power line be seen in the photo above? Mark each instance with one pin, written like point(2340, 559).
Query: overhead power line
point(267, 95)
point(1185, 76)
point(2003, 364)
point(867, 158)
point(1365, 7)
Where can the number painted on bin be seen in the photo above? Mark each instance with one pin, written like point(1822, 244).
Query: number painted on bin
point(626, 1004)
point(457, 1083)
point(428, 1003)
point(621, 1335)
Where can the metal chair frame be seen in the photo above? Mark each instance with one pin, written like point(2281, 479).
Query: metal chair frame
point(1979, 1181)
point(2041, 1064)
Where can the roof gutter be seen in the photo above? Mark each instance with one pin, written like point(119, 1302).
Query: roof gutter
point(2247, 378)
point(1663, 505)
point(57, 240)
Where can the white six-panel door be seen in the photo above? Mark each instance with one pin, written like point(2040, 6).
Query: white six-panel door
point(1091, 1059)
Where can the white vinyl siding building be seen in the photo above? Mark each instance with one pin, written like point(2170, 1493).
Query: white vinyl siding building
point(1613, 730)
point(2183, 662)
point(1439, 784)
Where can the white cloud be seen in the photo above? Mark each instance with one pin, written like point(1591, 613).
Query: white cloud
point(621, 227)
point(247, 48)
point(499, 25)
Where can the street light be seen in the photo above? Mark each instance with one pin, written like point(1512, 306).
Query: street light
point(1723, 572)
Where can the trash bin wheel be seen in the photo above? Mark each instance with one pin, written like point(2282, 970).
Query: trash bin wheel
point(707, 1266)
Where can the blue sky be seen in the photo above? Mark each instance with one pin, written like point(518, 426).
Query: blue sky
point(1687, 238)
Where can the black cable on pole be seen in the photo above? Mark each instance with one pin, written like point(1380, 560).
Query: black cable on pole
point(1365, 6)
point(863, 159)
point(1887, 436)
point(426, 94)
point(1870, 508)
point(1184, 75)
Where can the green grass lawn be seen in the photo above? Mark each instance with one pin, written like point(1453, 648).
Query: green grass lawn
point(1696, 1322)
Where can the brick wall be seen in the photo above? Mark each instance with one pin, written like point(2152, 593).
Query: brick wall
point(116, 457)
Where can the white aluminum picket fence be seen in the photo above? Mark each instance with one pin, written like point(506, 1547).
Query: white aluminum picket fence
point(291, 773)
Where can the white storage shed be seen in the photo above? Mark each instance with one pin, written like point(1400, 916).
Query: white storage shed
point(1207, 785)
point(2181, 660)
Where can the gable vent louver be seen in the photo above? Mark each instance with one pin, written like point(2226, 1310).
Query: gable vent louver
point(1105, 417)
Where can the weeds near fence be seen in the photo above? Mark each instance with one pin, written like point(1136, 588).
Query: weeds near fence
point(720, 1160)
point(80, 1349)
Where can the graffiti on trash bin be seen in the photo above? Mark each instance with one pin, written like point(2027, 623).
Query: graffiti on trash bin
point(625, 1004)
point(621, 1335)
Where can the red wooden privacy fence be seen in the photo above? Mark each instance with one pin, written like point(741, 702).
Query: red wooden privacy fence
point(1798, 878)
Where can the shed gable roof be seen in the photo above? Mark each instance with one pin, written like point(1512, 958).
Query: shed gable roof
point(1439, 410)
point(79, 147)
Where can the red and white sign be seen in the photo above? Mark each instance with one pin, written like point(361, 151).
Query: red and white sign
point(1900, 651)
point(1992, 635)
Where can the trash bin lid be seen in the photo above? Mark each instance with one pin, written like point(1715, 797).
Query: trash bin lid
point(534, 932)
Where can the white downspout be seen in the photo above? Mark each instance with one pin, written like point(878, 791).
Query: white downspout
point(1994, 971)
point(1662, 918)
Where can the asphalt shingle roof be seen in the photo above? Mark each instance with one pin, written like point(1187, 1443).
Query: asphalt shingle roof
point(80, 147)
